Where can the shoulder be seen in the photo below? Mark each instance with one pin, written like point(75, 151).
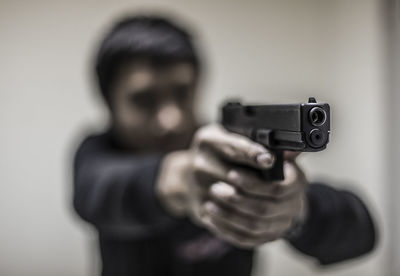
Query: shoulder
point(96, 140)
point(93, 144)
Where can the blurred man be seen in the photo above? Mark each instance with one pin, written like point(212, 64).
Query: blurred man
point(171, 198)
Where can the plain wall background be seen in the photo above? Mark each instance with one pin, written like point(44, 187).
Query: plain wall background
point(393, 23)
point(261, 51)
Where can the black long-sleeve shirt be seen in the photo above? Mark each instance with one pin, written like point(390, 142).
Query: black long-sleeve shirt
point(114, 191)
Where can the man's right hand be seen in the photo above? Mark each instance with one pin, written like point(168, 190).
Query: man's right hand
point(214, 183)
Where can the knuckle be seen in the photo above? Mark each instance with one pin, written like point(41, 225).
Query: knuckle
point(198, 138)
point(247, 150)
point(261, 210)
point(224, 192)
point(229, 151)
point(199, 163)
point(202, 135)
point(243, 143)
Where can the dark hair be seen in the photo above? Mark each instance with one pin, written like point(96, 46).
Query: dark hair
point(153, 37)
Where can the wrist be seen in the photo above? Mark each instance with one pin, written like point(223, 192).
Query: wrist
point(171, 188)
point(299, 222)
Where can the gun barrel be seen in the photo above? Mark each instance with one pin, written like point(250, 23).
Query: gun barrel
point(299, 127)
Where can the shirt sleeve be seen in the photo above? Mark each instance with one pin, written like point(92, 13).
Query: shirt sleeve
point(339, 226)
point(114, 191)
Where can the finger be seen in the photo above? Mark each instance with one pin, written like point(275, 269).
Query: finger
point(208, 169)
point(291, 155)
point(255, 207)
point(249, 224)
point(233, 236)
point(252, 183)
point(234, 147)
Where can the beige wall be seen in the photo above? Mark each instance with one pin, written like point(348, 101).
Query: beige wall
point(264, 51)
point(393, 21)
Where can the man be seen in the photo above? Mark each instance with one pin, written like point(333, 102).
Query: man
point(171, 198)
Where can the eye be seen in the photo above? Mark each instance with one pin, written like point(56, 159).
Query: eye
point(181, 93)
point(145, 99)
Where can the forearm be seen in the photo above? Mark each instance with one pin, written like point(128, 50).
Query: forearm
point(117, 195)
point(338, 227)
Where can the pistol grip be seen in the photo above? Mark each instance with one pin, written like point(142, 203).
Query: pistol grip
point(276, 172)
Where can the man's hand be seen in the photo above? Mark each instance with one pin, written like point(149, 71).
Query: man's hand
point(219, 188)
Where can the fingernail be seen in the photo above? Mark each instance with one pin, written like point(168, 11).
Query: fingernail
point(210, 207)
point(265, 160)
point(222, 190)
point(233, 176)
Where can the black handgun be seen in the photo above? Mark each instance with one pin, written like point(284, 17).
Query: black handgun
point(295, 127)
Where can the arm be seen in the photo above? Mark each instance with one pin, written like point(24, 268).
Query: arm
point(247, 210)
point(226, 195)
point(338, 227)
point(114, 191)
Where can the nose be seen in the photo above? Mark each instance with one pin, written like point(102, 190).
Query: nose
point(169, 119)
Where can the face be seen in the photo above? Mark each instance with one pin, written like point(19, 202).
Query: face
point(152, 106)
